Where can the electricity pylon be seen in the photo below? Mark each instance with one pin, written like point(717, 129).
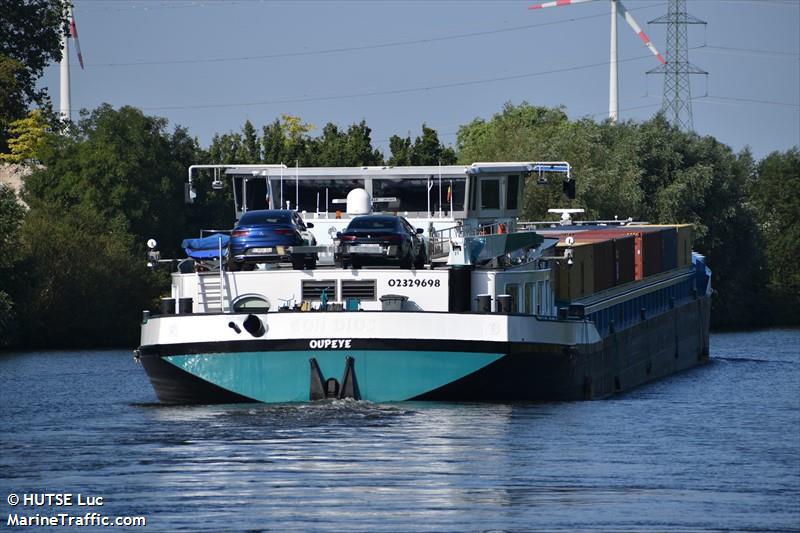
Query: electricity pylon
point(677, 104)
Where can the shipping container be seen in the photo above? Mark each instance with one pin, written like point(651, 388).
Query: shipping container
point(683, 247)
point(576, 280)
point(647, 247)
point(669, 248)
point(623, 255)
point(685, 242)
point(625, 259)
point(651, 252)
point(604, 264)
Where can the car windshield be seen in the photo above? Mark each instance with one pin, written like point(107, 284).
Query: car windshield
point(255, 217)
point(373, 223)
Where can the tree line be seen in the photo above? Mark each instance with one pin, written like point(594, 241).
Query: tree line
point(71, 257)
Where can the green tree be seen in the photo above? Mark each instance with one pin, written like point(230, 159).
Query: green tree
point(11, 216)
point(273, 142)
point(251, 151)
point(119, 163)
point(400, 148)
point(226, 149)
point(27, 138)
point(358, 150)
point(776, 197)
point(80, 282)
point(649, 171)
point(427, 150)
point(30, 39)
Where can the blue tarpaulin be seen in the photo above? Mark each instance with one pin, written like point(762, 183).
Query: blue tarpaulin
point(206, 247)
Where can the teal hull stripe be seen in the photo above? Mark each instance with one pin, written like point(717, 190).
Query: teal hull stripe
point(382, 376)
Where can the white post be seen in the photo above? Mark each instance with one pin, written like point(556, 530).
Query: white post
point(65, 101)
point(430, 186)
point(613, 93)
point(221, 278)
point(297, 185)
point(440, 188)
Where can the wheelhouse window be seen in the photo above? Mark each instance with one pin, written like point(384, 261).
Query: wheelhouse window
point(512, 191)
point(490, 194)
point(315, 193)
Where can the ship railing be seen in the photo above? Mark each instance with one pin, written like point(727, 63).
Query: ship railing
point(533, 225)
point(439, 241)
point(493, 228)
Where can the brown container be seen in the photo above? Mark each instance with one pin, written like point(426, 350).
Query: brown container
point(576, 280)
point(604, 275)
point(623, 256)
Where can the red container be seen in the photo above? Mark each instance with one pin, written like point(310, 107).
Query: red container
point(647, 246)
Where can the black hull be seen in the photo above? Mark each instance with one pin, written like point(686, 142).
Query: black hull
point(660, 346)
point(673, 341)
point(175, 386)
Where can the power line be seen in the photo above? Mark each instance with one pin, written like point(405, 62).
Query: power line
point(375, 46)
point(751, 50)
point(394, 91)
point(747, 100)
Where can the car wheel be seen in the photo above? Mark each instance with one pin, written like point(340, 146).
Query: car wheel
point(420, 261)
point(355, 263)
point(311, 263)
point(233, 266)
point(406, 262)
point(298, 263)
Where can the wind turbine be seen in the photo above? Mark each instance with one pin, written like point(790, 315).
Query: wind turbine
point(617, 8)
point(73, 33)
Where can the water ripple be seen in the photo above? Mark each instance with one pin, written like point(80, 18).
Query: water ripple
point(712, 449)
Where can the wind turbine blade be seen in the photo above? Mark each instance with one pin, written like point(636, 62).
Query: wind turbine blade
point(632, 23)
point(73, 31)
point(557, 3)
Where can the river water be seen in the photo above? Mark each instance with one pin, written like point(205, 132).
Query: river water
point(716, 448)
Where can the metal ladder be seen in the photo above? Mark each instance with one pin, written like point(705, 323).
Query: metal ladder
point(209, 292)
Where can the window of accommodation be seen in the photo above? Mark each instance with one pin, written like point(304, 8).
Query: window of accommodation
point(512, 289)
point(539, 291)
point(529, 305)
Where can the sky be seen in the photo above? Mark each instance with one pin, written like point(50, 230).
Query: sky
point(210, 65)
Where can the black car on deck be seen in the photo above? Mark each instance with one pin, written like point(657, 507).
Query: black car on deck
point(380, 239)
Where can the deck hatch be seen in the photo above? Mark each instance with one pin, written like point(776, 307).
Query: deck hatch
point(312, 289)
point(361, 289)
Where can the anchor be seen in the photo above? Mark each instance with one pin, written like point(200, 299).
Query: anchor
point(320, 388)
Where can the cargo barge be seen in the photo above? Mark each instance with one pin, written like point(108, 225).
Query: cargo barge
point(501, 310)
